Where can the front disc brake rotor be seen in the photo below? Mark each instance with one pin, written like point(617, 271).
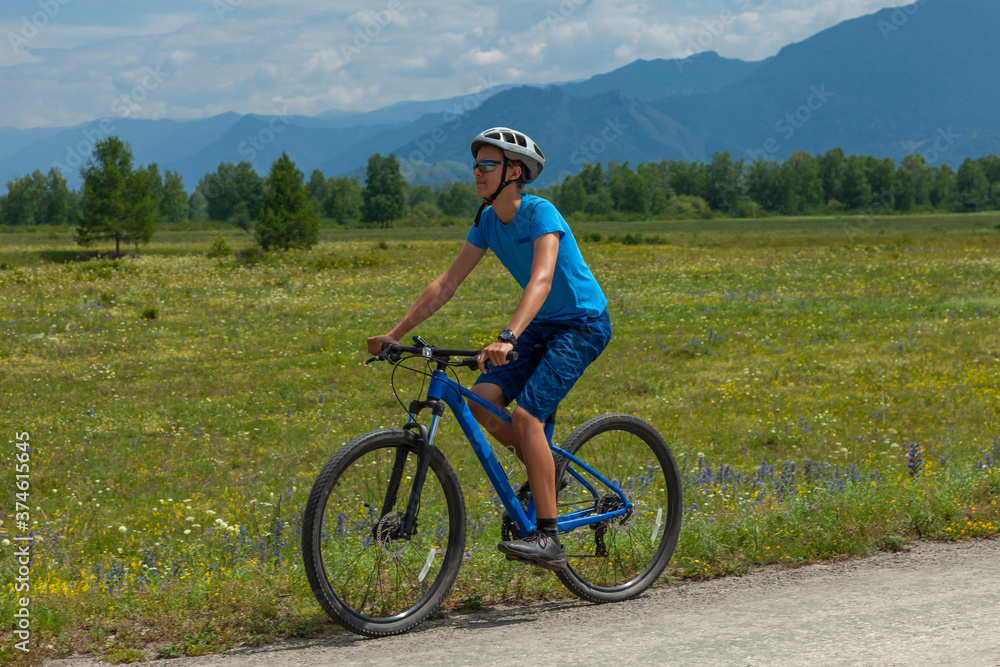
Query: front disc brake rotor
point(385, 535)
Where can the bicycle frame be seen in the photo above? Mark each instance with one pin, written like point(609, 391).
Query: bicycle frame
point(444, 389)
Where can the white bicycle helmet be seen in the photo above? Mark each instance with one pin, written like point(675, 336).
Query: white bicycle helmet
point(515, 145)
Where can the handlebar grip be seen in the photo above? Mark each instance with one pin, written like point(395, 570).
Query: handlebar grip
point(512, 356)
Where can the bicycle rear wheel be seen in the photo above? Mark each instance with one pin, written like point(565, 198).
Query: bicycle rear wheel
point(620, 558)
point(366, 578)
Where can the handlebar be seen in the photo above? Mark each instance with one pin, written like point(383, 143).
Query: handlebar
point(392, 353)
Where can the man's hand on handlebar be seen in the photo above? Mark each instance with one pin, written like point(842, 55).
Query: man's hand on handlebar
point(375, 343)
point(495, 353)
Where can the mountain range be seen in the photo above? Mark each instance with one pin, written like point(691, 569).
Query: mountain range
point(913, 79)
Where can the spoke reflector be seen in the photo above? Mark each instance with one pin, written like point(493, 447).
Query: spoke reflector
point(656, 528)
point(427, 564)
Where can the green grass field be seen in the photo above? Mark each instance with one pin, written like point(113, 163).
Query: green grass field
point(830, 387)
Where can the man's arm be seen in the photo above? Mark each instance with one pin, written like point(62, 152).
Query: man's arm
point(434, 296)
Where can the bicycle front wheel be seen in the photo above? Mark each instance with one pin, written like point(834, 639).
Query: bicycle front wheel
point(365, 576)
point(619, 558)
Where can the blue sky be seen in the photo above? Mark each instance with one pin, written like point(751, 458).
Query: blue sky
point(64, 62)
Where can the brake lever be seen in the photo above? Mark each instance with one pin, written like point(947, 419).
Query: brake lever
point(384, 355)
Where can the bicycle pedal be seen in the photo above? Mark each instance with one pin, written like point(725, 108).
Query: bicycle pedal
point(510, 557)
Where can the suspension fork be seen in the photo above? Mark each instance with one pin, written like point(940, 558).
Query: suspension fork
point(408, 525)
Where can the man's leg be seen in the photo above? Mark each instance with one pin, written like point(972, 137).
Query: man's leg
point(498, 428)
point(568, 352)
point(538, 460)
point(542, 547)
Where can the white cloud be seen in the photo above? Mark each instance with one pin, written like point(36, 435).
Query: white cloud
point(419, 62)
point(327, 60)
point(490, 57)
point(313, 55)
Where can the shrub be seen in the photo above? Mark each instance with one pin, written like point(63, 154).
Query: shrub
point(219, 248)
point(689, 207)
point(106, 299)
point(250, 256)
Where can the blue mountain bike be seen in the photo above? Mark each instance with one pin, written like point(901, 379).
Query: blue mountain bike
point(384, 530)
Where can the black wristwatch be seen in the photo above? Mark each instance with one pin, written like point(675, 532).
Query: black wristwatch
point(507, 336)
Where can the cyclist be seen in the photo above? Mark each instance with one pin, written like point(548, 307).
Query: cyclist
point(558, 328)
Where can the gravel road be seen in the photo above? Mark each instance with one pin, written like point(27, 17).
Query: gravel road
point(938, 604)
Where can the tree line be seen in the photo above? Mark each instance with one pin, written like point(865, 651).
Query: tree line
point(124, 203)
point(804, 184)
point(235, 193)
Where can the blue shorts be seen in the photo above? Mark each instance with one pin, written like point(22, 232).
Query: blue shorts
point(551, 358)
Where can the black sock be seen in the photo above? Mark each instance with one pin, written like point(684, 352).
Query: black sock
point(549, 526)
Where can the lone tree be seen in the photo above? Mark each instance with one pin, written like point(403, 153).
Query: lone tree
point(118, 202)
point(384, 196)
point(287, 217)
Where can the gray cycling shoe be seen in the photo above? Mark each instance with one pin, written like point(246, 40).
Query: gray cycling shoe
point(538, 549)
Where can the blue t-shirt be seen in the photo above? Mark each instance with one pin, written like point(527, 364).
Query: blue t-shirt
point(575, 293)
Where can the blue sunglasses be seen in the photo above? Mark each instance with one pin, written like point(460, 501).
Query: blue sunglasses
point(486, 166)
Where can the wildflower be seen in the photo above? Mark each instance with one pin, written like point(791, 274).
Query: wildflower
point(915, 460)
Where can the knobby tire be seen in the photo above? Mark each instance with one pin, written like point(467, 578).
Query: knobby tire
point(365, 580)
